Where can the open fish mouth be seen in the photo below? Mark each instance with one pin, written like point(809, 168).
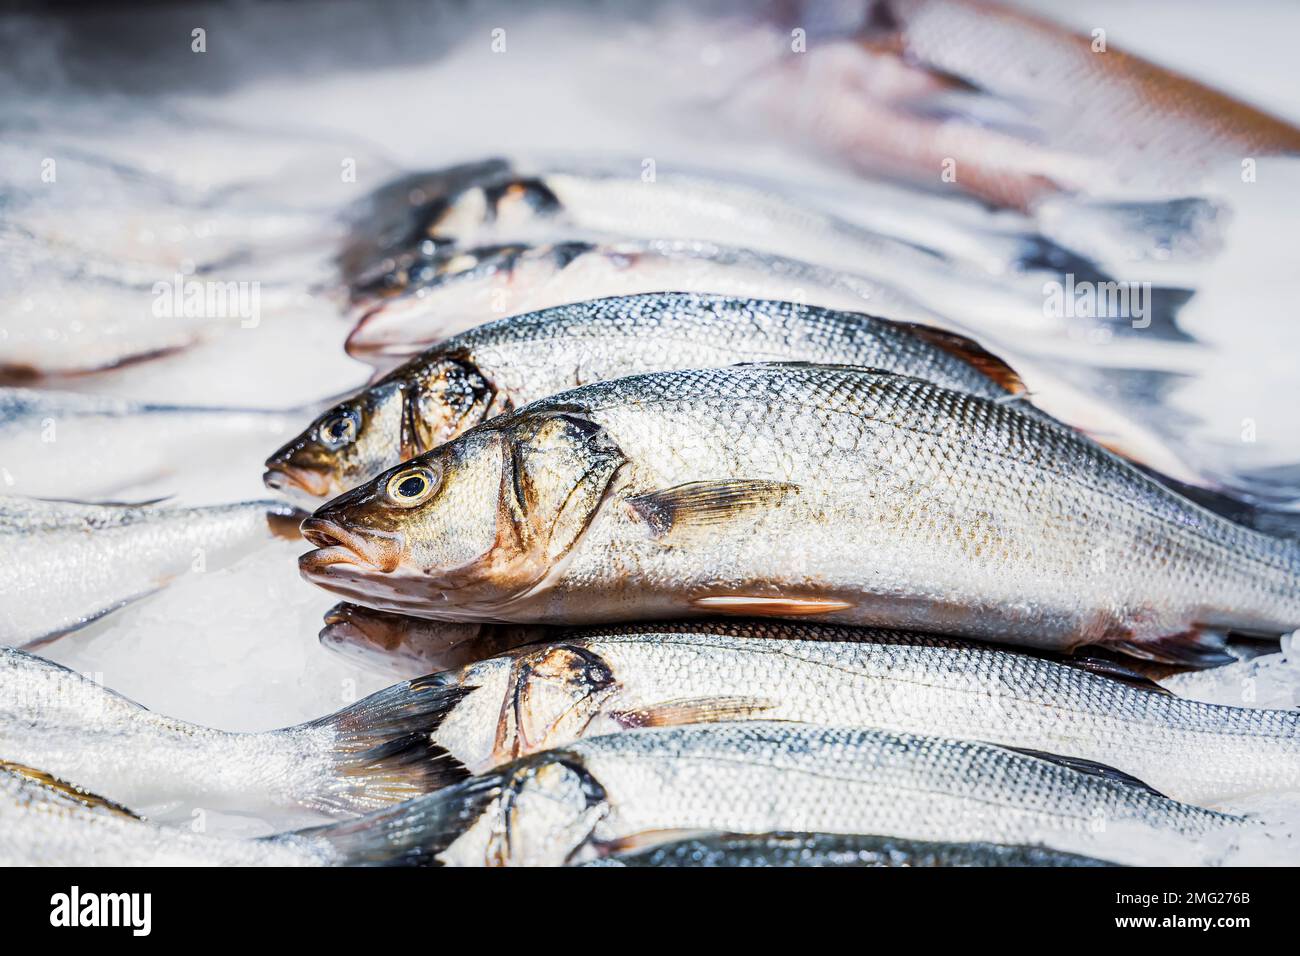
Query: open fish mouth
point(336, 544)
point(282, 477)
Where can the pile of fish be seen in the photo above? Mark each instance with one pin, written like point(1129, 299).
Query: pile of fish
point(698, 528)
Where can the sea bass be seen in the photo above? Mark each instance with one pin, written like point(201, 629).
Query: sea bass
point(513, 361)
point(846, 495)
point(602, 795)
point(369, 755)
point(69, 563)
point(828, 849)
point(448, 296)
point(584, 682)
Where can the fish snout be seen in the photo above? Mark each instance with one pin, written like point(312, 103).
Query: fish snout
point(282, 476)
point(337, 544)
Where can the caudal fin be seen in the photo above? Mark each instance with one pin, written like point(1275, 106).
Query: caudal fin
point(383, 750)
point(409, 834)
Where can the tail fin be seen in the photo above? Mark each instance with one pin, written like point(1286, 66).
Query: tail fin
point(410, 834)
point(383, 749)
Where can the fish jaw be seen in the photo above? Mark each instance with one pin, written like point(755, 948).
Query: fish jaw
point(337, 543)
point(296, 481)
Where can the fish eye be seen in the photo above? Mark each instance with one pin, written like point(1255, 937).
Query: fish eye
point(339, 429)
point(410, 486)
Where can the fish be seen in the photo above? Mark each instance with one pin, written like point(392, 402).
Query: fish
point(574, 683)
point(368, 755)
point(1019, 112)
point(616, 793)
point(47, 821)
point(534, 203)
point(71, 445)
point(402, 646)
point(829, 849)
point(450, 296)
point(827, 493)
point(505, 364)
point(70, 563)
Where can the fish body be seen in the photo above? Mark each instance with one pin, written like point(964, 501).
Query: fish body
point(69, 563)
point(513, 361)
point(49, 822)
point(648, 786)
point(70, 445)
point(835, 494)
point(837, 850)
point(494, 282)
point(579, 683)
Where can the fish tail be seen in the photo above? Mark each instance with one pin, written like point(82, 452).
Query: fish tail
point(408, 834)
point(383, 750)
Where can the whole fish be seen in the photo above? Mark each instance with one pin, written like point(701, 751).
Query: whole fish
point(846, 495)
point(403, 646)
point(69, 563)
point(513, 361)
point(70, 445)
point(581, 683)
point(369, 755)
point(448, 296)
point(603, 795)
point(827, 849)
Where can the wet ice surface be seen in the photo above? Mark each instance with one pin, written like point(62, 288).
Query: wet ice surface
point(236, 648)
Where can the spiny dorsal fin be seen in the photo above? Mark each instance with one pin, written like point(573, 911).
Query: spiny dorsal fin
point(707, 502)
point(69, 790)
point(970, 352)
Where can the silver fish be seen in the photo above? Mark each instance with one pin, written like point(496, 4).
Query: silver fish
point(845, 495)
point(827, 849)
point(580, 683)
point(449, 296)
point(371, 754)
point(46, 821)
point(70, 445)
point(69, 563)
point(599, 796)
point(508, 363)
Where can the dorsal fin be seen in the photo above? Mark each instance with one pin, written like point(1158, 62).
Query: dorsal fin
point(970, 352)
point(1090, 767)
point(68, 790)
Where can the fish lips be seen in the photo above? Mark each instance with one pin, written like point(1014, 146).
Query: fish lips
point(282, 476)
point(337, 544)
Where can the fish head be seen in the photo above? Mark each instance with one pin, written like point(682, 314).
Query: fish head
point(555, 694)
point(545, 814)
point(469, 526)
point(351, 442)
point(439, 299)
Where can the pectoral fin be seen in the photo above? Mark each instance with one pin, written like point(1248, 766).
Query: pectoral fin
point(67, 790)
point(704, 710)
point(767, 606)
point(707, 502)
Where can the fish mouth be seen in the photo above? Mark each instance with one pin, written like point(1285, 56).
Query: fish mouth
point(337, 544)
point(282, 477)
